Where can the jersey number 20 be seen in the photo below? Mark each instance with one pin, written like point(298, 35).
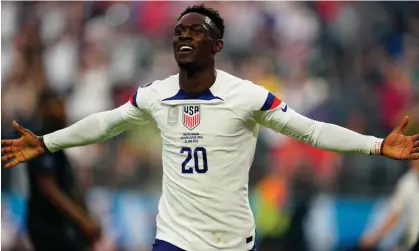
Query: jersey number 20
point(199, 168)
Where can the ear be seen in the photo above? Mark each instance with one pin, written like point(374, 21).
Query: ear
point(218, 46)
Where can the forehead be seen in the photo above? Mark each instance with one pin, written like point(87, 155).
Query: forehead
point(192, 18)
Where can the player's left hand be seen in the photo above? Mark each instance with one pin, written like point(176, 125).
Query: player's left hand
point(399, 146)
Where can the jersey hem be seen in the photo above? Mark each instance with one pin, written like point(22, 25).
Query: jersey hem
point(171, 241)
point(165, 238)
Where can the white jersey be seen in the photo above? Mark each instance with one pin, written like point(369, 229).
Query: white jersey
point(208, 147)
point(406, 200)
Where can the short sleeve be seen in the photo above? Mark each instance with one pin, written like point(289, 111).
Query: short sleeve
point(137, 110)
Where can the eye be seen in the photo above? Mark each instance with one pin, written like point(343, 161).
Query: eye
point(198, 30)
point(179, 31)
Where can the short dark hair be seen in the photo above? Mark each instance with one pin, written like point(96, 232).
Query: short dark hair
point(213, 14)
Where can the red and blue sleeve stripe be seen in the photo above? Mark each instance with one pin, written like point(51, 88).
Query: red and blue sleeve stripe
point(271, 102)
point(133, 99)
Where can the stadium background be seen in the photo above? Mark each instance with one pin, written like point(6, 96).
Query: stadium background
point(355, 64)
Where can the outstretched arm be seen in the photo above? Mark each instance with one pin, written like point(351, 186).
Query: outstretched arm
point(92, 129)
point(279, 117)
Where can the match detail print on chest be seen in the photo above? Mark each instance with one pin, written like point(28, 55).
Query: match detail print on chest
point(187, 119)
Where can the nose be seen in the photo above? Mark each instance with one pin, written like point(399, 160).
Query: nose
point(186, 35)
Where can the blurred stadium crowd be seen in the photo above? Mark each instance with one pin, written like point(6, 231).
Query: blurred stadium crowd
point(355, 64)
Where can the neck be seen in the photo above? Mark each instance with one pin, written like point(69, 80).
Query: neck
point(196, 80)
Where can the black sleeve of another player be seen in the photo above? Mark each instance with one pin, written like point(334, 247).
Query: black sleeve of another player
point(42, 164)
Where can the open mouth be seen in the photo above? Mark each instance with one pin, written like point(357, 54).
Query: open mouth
point(185, 49)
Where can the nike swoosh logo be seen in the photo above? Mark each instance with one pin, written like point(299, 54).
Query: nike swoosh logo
point(285, 108)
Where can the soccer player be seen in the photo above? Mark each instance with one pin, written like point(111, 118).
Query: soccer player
point(404, 201)
point(57, 217)
point(209, 125)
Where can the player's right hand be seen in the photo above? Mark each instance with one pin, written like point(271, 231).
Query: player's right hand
point(27, 147)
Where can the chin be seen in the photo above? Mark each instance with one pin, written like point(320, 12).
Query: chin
point(187, 64)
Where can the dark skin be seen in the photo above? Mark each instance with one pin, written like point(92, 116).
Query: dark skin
point(197, 67)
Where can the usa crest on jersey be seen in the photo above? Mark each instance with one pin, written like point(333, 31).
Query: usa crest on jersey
point(191, 116)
